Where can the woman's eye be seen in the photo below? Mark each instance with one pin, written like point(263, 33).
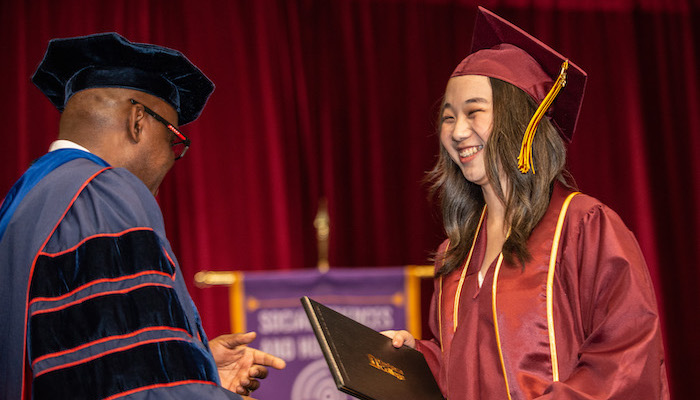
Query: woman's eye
point(447, 118)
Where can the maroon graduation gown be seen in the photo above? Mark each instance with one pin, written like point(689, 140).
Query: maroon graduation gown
point(604, 333)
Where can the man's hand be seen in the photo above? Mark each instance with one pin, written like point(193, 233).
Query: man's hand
point(240, 367)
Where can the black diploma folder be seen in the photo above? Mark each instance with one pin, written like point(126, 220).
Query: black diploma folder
point(364, 363)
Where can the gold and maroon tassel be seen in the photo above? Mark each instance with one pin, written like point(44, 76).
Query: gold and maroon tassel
point(525, 157)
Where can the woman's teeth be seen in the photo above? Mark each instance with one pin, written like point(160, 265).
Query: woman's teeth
point(470, 151)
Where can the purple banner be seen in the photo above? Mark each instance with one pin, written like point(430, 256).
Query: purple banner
point(268, 303)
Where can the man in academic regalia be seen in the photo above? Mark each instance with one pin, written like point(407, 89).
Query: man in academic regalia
point(94, 304)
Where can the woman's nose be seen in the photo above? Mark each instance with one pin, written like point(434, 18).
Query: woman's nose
point(462, 129)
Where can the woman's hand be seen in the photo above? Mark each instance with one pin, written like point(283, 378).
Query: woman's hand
point(240, 367)
point(400, 338)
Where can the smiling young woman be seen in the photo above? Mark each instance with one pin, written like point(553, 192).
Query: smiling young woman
point(540, 291)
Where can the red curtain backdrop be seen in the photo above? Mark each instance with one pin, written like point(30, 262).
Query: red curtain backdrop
point(336, 99)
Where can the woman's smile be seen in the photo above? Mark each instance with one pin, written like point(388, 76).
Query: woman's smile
point(468, 153)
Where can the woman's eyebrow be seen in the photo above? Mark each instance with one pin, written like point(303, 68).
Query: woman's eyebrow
point(476, 100)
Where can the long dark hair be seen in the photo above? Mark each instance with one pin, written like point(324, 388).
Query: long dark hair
point(527, 196)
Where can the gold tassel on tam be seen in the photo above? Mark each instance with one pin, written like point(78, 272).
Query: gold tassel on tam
point(525, 157)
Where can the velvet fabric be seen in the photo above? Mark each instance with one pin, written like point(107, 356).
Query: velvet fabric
point(61, 273)
point(337, 99)
point(110, 60)
point(158, 363)
point(95, 302)
point(20, 248)
point(32, 176)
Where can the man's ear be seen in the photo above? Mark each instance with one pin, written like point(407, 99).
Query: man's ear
point(135, 122)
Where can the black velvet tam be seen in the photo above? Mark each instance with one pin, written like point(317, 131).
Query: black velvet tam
point(110, 60)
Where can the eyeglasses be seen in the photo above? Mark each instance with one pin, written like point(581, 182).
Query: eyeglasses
point(179, 147)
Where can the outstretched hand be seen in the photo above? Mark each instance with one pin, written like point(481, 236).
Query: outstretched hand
point(240, 367)
point(400, 338)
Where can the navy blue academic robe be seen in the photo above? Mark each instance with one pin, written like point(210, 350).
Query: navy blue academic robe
point(93, 304)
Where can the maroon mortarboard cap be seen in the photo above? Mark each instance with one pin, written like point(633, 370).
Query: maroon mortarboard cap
point(502, 50)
